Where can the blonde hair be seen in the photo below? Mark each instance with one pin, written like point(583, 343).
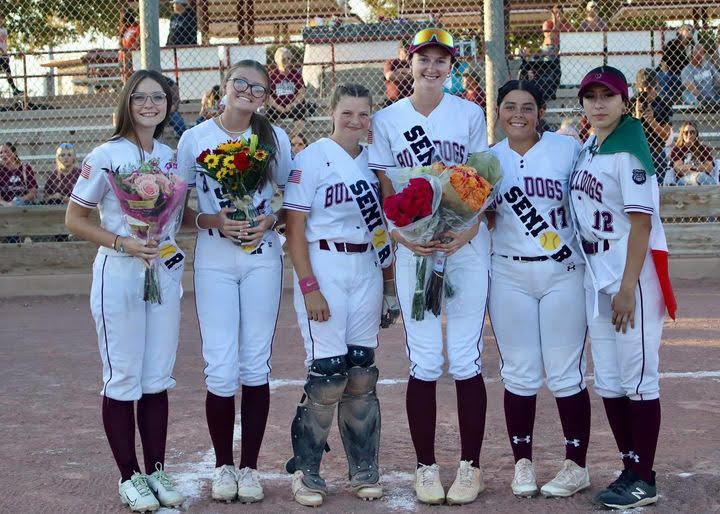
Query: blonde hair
point(680, 141)
point(60, 149)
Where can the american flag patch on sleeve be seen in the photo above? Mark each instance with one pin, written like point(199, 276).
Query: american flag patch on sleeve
point(85, 171)
point(295, 176)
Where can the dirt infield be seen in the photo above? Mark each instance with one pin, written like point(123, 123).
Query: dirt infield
point(56, 458)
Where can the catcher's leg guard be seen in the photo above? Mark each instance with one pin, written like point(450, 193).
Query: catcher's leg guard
point(323, 389)
point(359, 417)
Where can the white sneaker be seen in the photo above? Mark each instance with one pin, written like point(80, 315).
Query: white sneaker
point(249, 489)
point(163, 488)
point(302, 494)
point(369, 492)
point(428, 487)
point(570, 479)
point(136, 494)
point(467, 485)
point(524, 483)
point(224, 484)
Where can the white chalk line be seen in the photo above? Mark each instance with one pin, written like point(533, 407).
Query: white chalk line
point(190, 476)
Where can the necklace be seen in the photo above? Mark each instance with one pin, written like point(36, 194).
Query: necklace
point(231, 132)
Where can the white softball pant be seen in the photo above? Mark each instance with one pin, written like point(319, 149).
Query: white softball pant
point(537, 312)
point(627, 364)
point(352, 286)
point(467, 271)
point(138, 340)
point(237, 295)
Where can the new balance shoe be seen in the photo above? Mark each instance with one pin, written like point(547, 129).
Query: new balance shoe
point(613, 485)
point(467, 485)
point(304, 495)
point(249, 489)
point(428, 487)
point(224, 484)
point(136, 494)
point(163, 488)
point(629, 493)
point(570, 479)
point(524, 483)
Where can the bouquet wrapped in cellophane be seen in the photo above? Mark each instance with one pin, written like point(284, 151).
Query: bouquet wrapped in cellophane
point(464, 193)
point(240, 168)
point(150, 199)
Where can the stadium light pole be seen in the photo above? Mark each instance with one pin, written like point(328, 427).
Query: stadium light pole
point(496, 69)
point(150, 34)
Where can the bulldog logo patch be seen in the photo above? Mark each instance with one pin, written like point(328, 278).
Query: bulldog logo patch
point(639, 176)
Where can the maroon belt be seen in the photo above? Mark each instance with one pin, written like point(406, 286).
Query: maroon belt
point(593, 248)
point(344, 247)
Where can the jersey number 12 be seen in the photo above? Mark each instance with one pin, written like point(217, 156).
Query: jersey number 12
point(603, 220)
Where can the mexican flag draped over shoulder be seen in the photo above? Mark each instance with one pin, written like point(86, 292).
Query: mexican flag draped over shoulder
point(629, 137)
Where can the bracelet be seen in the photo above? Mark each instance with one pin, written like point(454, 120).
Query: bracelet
point(115, 242)
point(122, 247)
point(197, 218)
point(308, 284)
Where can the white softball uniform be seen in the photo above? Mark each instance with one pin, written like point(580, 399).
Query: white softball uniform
point(137, 340)
point(604, 189)
point(402, 137)
point(237, 293)
point(351, 282)
point(527, 283)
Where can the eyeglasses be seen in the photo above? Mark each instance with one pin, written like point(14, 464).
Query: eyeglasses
point(140, 98)
point(66, 146)
point(256, 90)
point(440, 36)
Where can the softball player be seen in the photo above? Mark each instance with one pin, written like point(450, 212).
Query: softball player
point(614, 199)
point(338, 242)
point(237, 293)
point(138, 341)
point(415, 131)
point(537, 275)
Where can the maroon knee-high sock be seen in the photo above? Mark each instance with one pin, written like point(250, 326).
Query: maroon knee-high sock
point(421, 406)
point(152, 420)
point(119, 422)
point(472, 406)
point(575, 419)
point(520, 421)
point(618, 415)
point(220, 412)
point(645, 415)
point(254, 408)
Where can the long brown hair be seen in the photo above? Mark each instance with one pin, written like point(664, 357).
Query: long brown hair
point(259, 124)
point(124, 124)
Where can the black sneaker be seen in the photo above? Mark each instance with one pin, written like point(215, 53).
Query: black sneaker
point(628, 491)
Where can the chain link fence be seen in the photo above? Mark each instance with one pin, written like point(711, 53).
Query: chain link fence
point(66, 61)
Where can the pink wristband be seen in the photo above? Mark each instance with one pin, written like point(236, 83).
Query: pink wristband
point(308, 284)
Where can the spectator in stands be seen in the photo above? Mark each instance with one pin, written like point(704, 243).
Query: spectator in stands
point(18, 185)
point(129, 41)
point(298, 142)
point(592, 22)
point(454, 83)
point(701, 80)
point(209, 105)
point(398, 77)
point(472, 89)
point(543, 68)
point(4, 58)
point(287, 92)
point(183, 24)
point(60, 183)
point(557, 25)
point(175, 119)
point(691, 160)
point(568, 128)
point(675, 56)
point(670, 84)
point(655, 115)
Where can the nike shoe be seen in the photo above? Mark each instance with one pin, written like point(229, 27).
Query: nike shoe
point(629, 493)
point(570, 479)
point(163, 488)
point(224, 484)
point(136, 494)
point(428, 487)
point(524, 483)
point(249, 489)
point(467, 485)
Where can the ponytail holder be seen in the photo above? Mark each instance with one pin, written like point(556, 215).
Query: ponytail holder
point(308, 284)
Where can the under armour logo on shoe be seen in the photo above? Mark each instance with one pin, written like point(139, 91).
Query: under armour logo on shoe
point(518, 440)
point(630, 455)
point(638, 493)
point(574, 442)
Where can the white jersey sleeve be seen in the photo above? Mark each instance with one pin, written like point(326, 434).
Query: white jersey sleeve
point(283, 162)
point(302, 184)
point(478, 130)
point(186, 158)
point(635, 184)
point(380, 151)
point(92, 185)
